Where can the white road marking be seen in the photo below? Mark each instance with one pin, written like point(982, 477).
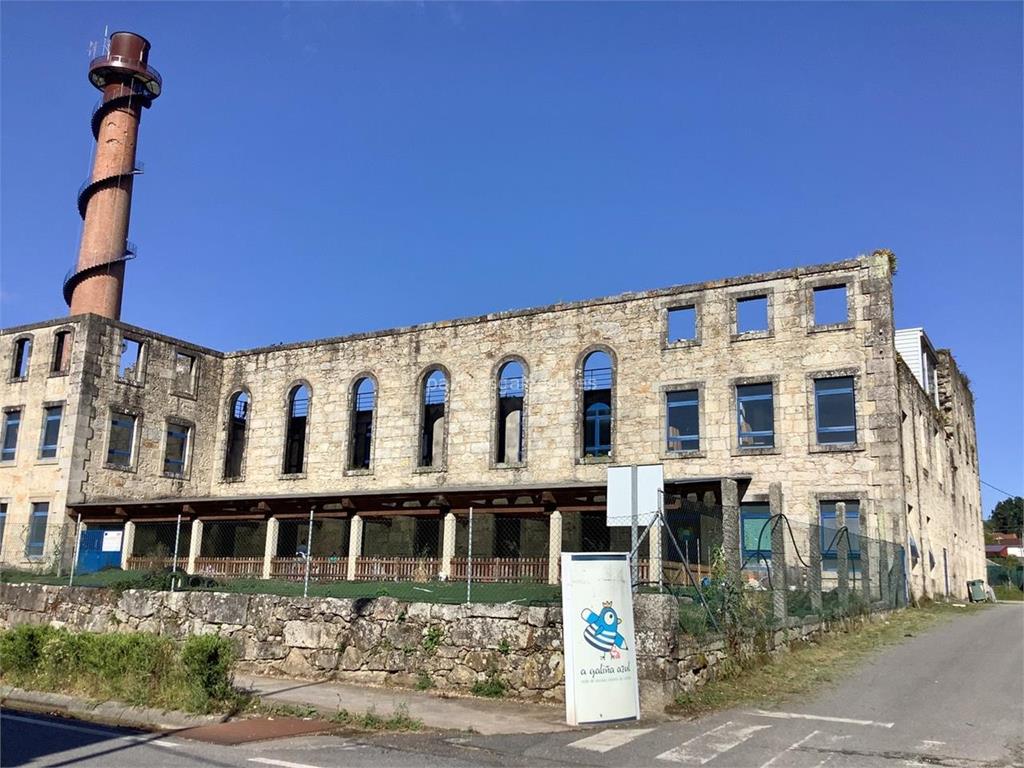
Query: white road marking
point(800, 716)
point(791, 747)
point(804, 755)
point(929, 744)
point(281, 763)
point(610, 739)
point(710, 744)
point(163, 743)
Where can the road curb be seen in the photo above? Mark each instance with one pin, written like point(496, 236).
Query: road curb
point(105, 712)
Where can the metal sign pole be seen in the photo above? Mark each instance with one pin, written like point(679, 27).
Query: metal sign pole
point(469, 558)
point(174, 561)
point(634, 520)
point(78, 543)
point(309, 548)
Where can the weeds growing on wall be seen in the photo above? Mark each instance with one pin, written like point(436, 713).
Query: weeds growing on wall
point(133, 667)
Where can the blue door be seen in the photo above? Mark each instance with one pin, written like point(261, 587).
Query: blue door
point(91, 553)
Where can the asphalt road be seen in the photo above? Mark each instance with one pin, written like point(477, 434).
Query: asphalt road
point(953, 696)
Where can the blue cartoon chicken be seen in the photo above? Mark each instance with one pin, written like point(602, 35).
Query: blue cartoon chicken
point(602, 630)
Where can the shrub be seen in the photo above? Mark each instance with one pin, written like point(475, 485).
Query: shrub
point(20, 649)
point(492, 688)
point(207, 661)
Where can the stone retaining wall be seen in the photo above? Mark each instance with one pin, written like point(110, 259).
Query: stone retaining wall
point(383, 641)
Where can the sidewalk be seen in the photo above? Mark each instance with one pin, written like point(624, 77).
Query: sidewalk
point(485, 716)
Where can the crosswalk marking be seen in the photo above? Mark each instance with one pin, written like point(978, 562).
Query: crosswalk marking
point(709, 745)
point(610, 739)
point(824, 718)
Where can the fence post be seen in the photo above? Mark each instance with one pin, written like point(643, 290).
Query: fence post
point(174, 556)
point(731, 530)
point(865, 558)
point(814, 566)
point(309, 553)
point(883, 571)
point(127, 543)
point(654, 551)
point(842, 556)
point(355, 545)
point(469, 557)
point(195, 546)
point(270, 547)
point(554, 546)
point(778, 553)
point(78, 543)
point(448, 545)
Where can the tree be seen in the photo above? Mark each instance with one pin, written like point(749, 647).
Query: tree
point(1007, 516)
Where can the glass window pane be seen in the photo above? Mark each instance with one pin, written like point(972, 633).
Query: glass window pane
point(755, 415)
point(12, 423)
point(835, 409)
point(177, 448)
point(122, 433)
point(683, 420)
point(51, 431)
point(37, 529)
point(756, 536)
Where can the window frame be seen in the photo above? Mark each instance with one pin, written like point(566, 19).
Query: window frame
point(735, 297)
point(421, 412)
point(20, 410)
point(760, 514)
point(132, 465)
point(139, 379)
point(581, 361)
point(353, 394)
point(229, 416)
point(12, 370)
point(754, 450)
point(682, 301)
point(5, 505)
point(289, 393)
point(193, 388)
point(42, 431)
point(30, 527)
point(812, 287)
point(833, 499)
point(686, 386)
point(68, 332)
point(186, 461)
point(812, 411)
point(496, 406)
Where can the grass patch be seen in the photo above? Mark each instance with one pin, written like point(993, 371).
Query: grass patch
point(136, 668)
point(1006, 593)
point(492, 688)
point(808, 666)
point(399, 720)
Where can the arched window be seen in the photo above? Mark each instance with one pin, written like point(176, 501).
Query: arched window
point(238, 420)
point(511, 396)
point(295, 439)
point(597, 405)
point(21, 357)
point(435, 401)
point(364, 400)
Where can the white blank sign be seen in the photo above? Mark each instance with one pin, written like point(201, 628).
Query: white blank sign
point(650, 483)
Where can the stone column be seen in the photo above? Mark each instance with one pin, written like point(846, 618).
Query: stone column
point(778, 554)
point(270, 547)
point(814, 566)
point(448, 545)
point(195, 546)
point(654, 550)
point(731, 529)
point(883, 571)
point(355, 545)
point(127, 543)
point(842, 557)
point(865, 558)
point(554, 546)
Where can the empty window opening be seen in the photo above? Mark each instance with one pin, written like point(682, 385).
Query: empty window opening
point(511, 392)
point(122, 440)
point(363, 403)
point(176, 449)
point(184, 373)
point(830, 305)
point(36, 540)
point(51, 431)
point(22, 355)
point(235, 449)
point(597, 405)
point(682, 324)
point(12, 424)
point(755, 415)
point(752, 314)
point(295, 442)
point(435, 398)
point(61, 361)
point(683, 420)
point(130, 366)
point(835, 410)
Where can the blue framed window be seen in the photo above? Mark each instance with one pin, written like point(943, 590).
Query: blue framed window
point(51, 431)
point(12, 423)
point(597, 439)
point(37, 529)
point(176, 449)
point(122, 440)
point(3, 523)
point(597, 405)
point(755, 533)
point(829, 530)
point(835, 411)
point(683, 420)
point(755, 415)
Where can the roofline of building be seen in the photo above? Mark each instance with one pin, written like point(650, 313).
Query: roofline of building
point(684, 288)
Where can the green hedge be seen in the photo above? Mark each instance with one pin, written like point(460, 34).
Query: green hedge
point(132, 667)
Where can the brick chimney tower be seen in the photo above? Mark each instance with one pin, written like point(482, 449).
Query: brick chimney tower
point(128, 84)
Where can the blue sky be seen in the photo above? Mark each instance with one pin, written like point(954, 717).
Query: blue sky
point(317, 169)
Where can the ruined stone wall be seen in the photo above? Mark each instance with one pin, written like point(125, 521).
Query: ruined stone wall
point(30, 478)
point(942, 483)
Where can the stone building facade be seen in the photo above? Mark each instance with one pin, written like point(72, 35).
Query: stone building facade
point(152, 426)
